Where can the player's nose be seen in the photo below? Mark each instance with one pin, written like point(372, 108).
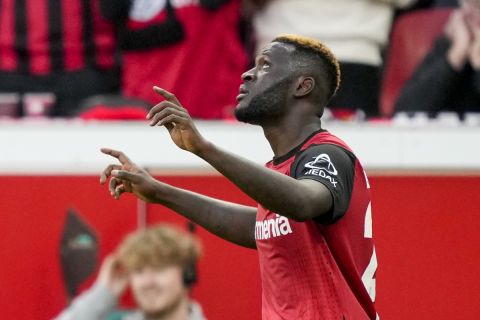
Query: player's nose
point(249, 75)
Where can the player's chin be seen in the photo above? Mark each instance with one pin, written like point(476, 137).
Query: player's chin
point(242, 103)
point(242, 114)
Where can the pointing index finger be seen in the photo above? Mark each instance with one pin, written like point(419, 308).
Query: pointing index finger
point(167, 95)
point(116, 154)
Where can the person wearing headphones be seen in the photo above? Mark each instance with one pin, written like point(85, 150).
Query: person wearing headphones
point(158, 263)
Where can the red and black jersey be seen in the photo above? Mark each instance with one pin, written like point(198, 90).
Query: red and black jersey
point(322, 268)
point(188, 42)
point(41, 37)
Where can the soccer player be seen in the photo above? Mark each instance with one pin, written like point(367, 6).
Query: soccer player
point(312, 227)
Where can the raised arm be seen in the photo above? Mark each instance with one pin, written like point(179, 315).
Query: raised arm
point(296, 199)
point(230, 221)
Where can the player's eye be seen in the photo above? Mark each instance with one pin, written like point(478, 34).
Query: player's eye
point(266, 65)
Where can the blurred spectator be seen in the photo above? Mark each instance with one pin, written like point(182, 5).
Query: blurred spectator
point(57, 52)
point(158, 263)
point(448, 79)
point(356, 30)
point(177, 44)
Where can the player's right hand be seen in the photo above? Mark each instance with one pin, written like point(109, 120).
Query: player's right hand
point(173, 116)
point(128, 177)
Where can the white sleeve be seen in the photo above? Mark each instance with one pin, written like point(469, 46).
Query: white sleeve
point(94, 304)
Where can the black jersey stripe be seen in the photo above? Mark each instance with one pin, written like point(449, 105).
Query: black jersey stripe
point(55, 35)
point(88, 38)
point(21, 36)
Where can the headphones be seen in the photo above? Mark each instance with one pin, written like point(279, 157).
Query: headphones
point(190, 275)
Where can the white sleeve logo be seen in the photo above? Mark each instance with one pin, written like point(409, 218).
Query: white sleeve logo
point(323, 167)
point(322, 162)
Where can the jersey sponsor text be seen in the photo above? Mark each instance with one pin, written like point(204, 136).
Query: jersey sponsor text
point(272, 228)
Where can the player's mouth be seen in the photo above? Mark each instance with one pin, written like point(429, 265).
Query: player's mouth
point(242, 93)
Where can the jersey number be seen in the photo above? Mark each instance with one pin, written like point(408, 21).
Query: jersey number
point(368, 276)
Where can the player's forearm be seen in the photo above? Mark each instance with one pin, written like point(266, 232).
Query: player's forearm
point(273, 190)
point(230, 221)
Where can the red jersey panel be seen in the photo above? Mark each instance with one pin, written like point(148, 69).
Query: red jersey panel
point(211, 46)
point(318, 271)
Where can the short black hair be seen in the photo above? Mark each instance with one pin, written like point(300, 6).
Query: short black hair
point(314, 57)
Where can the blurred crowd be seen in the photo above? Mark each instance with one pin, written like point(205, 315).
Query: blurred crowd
point(99, 59)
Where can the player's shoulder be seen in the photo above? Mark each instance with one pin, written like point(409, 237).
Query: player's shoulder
point(326, 151)
point(325, 137)
point(323, 159)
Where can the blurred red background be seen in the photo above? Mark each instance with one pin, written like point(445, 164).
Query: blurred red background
point(426, 230)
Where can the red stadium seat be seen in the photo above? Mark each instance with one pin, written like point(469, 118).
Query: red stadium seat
point(412, 37)
point(113, 108)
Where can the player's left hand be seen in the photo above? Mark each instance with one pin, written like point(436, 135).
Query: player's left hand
point(173, 116)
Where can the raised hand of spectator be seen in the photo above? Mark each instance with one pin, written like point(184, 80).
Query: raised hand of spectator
point(112, 276)
point(472, 17)
point(460, 36)
point(474, 55)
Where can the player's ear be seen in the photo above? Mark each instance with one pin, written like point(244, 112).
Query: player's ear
point(304, 86)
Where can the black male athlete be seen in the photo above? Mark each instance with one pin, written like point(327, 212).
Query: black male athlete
point(312, 228)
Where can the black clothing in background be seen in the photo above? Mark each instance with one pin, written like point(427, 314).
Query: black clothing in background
point(359, 88)
point(445, 3)
point(436, 86)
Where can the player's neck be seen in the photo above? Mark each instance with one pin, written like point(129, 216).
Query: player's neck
point(285, 135)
